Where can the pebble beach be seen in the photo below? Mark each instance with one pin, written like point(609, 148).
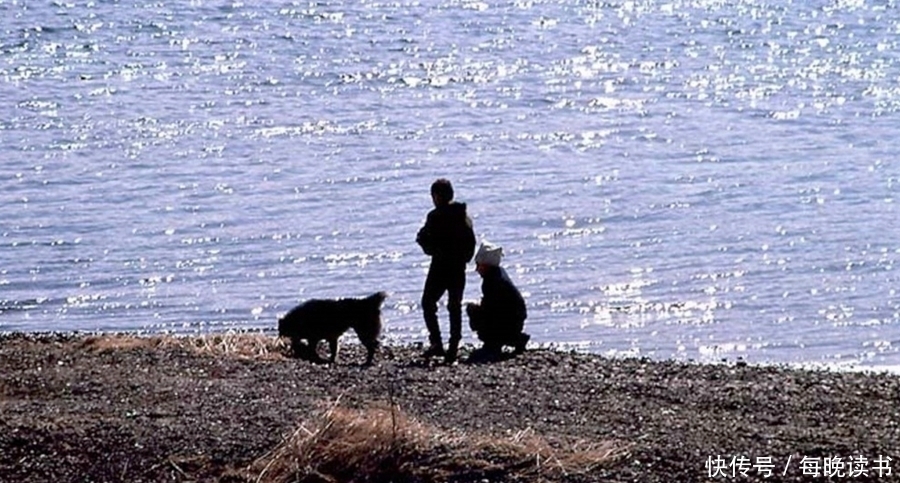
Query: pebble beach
point(105, 408)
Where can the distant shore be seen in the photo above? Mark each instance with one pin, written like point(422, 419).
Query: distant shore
point(222, 408)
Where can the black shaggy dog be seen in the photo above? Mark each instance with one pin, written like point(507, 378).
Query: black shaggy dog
point(317, 319)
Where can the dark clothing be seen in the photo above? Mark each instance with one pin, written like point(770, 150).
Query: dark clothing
point(500, 317)
point(440, 279)
point(448, 237)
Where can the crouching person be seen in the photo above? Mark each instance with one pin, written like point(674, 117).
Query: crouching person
point(500, 317)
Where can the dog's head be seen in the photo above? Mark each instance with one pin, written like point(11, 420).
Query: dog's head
point(290, 324)
point(283, 328)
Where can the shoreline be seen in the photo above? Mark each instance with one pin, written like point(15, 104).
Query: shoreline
point(349, 339)
point(854, 367)
point(205, 408)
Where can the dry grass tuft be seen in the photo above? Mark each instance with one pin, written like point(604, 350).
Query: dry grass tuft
point(107, 343)
point(382, 444)
point(246, 346)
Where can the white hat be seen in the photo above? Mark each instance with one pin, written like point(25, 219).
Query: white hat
point(489, 254)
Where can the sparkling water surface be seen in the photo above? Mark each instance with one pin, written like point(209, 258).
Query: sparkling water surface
point(693, 180)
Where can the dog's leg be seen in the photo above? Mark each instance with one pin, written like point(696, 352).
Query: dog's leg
point(298, 348)
point(371, 347)
point(314, 351)
point(333, 345)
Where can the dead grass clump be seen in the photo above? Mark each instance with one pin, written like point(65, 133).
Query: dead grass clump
point(382, 444)
point(247, 346)
point(106, 343)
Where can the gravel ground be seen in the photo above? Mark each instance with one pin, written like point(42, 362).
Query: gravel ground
point(75, 409)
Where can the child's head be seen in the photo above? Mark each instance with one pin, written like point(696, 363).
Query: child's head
point(489, 255)
point(441, 191)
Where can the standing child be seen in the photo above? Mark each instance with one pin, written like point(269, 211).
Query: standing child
point(449, 239)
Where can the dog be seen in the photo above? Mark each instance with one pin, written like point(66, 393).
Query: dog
point(320, 319)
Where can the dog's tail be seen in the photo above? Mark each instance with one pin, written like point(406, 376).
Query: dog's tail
point(377, 298)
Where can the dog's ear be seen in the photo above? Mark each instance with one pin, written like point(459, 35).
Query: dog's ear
point(379, 297)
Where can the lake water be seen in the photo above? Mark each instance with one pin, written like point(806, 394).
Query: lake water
point(691, 180)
